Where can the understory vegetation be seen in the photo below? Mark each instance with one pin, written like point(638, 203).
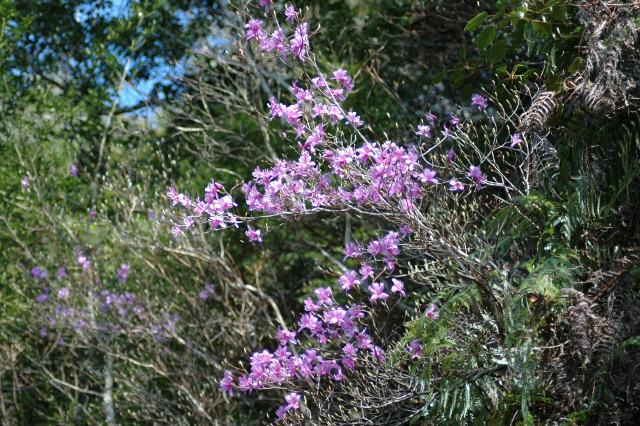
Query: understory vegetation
point(320, 212)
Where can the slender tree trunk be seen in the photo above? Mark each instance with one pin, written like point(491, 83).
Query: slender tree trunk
point(107, 398)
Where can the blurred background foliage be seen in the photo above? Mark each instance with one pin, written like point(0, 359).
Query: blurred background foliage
point(141, 95)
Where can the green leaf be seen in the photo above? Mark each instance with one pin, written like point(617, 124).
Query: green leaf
point(457, 83)
point(528, 73)
point(553, 83)
point(438, 77)
point(500, 14)
point(555, 117)
point(559, 11)
point(486, 37)
point(465, 93)
point(501, 3)
point(541, 27)
point(476, 22)
point(463, 51)
point(456, 75)
point(497, 51)
point(575, 66)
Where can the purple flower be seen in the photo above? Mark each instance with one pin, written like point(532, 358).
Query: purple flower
point(226, 383)
point(447, 132)
point(377, 292)
point(516, 139)
point(310, 305)
point(73, 170)
point(378, 352)
point(455, 120)
point(431, 117)
point(428, 175)
point(432, 312)
point(38, 273)
point(293, 400)
point(188, 222)
point(123, 272)
point(348, 280)
point(354, 119)
point(254, 29)
point(286, 336)
point(63, 292)
point(366, 271)
point(476, 173)
point(281, 412)
point(266, 4)
point(43, 332)
point(324, 295)
point(397, 287)
point(352, 250)
point(254, 235)
point(405, 230)
point(311, 322)
point(43, 297)
point(455, 186)
point(335, 317)
point(176, 231)
point(415, 349)
point(479, 101)
point(451, 155)
point(424, 130)
point(62, 272)
point(25, 182)
point(208, 289)
point(291, 13)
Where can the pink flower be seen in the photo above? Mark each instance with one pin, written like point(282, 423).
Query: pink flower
point(397, 287)
point(324, 296)
point(293, 400)
point(428, 175)
point(415, 349)
point(226, 383)
point(266, 4)
point(354, 119)
point(479, 101)
point(455, 186)
point(62, 272)
point(348, 280)
point(290, 13)
point(366, 271)
point(516, 139)
point(432, 312)
point(424, 130)
point(377, 292)
point(281, 412)
point(254, 235)
point(176, 231)
point(352, 250)
point(63, 292)
point(286, 336)
point(254, 29)
point(405, 230)
point(451, 155)
point(455, 120)
point(188, 222)
point(476, 173)
point(123, 272)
